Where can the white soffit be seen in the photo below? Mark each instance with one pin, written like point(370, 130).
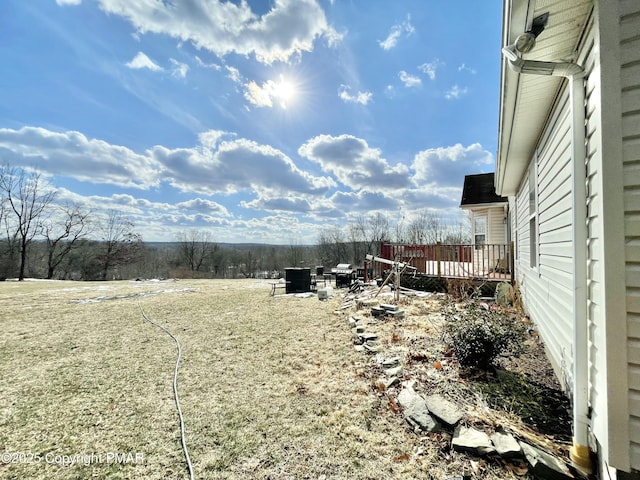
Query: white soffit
point(526, 100)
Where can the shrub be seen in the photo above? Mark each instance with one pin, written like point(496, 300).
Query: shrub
point(478, 334)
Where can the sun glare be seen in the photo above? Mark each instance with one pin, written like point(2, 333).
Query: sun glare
point(284, 90)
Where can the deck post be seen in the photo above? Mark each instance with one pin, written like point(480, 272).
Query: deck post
point(511, 262)
point(439, 258)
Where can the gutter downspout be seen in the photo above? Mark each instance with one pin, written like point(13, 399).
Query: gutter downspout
point(580, 452)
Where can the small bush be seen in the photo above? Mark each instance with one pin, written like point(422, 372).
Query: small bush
point(478, 334)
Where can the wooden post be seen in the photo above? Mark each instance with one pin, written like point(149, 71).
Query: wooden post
point(438, 258)
point(511, 262)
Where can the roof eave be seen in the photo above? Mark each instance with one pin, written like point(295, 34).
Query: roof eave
point(509, 168)
point(484, 205)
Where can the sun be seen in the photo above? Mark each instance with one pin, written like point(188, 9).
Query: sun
point(284, 91)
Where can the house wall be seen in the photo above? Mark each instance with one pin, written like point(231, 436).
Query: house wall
point(546, 287)
point(599, 365)
point(610, 54)
point(629, 98)
point(496, 228)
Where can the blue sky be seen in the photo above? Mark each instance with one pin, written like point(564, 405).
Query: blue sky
point(259, 121)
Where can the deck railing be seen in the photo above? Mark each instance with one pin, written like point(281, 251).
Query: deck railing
point(489, 261)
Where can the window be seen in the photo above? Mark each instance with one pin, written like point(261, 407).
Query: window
point(533, 220)
point(479, 231)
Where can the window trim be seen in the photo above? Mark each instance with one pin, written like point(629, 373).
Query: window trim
point(484, 217)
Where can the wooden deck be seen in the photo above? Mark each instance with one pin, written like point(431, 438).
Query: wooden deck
point(488, 262)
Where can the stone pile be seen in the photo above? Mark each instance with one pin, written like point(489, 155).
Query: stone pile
point(435, 413)
point(387, 310)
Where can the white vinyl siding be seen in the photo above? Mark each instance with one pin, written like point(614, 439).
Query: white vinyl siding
point(495, 232)
point(546, 289)
point(598, 394)
point(609, 51)
point(629, 11)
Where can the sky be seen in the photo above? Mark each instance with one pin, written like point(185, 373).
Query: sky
point(257, 121)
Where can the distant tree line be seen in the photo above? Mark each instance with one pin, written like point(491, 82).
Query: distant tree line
point(352, 242)
point(41, 238)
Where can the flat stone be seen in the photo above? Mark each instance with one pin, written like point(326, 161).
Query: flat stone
point(368, 336)
point(397, 314)
point(393, 371)
point(422, 420)
point(466, 439)
point(416, 412)
point(506, 445)
point(545, 465)
point(390, 362)
point(377, 311)
point(408, 396)
point(444, 409)
point(389, 307)
point(359, 348)
point(391, 382)
point(358, 329)
point(370, 348)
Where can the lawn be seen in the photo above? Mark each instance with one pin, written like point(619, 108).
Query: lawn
point(270, 387)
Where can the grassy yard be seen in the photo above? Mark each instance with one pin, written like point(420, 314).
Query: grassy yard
point(270, 387)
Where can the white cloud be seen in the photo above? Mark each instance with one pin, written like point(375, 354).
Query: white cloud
point(395, 33)
point(430, 68)
point(463, 68)
point(68, 2)
point(447, 166)
point(362, 98)
point(142, 61)
point(73, 155)
point(290, 28)
point(179, 69)
point(201, 63)
point(213, 166)
point(203, 206)
point(278, 92)
point(354, 163)
point(365, 201)
point(210, 138)
point(290, 203)
point(257, 95)
point(455, 92)
point(409, 80)
point(234, 166)
point(234, 74)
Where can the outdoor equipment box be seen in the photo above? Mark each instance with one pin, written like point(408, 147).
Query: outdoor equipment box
point(298, 280)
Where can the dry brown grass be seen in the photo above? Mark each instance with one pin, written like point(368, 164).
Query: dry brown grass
point(270, 387)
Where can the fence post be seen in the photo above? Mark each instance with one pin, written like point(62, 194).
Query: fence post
point(438, 258)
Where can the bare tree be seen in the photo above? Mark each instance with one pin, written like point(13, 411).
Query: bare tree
point(195, 246)
point(378, 229)
point(295, 253)
point(426, 228)
point(332, 247)
point(26, 199)
point(7, 250)
point(64, 233)
point(120, 243)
